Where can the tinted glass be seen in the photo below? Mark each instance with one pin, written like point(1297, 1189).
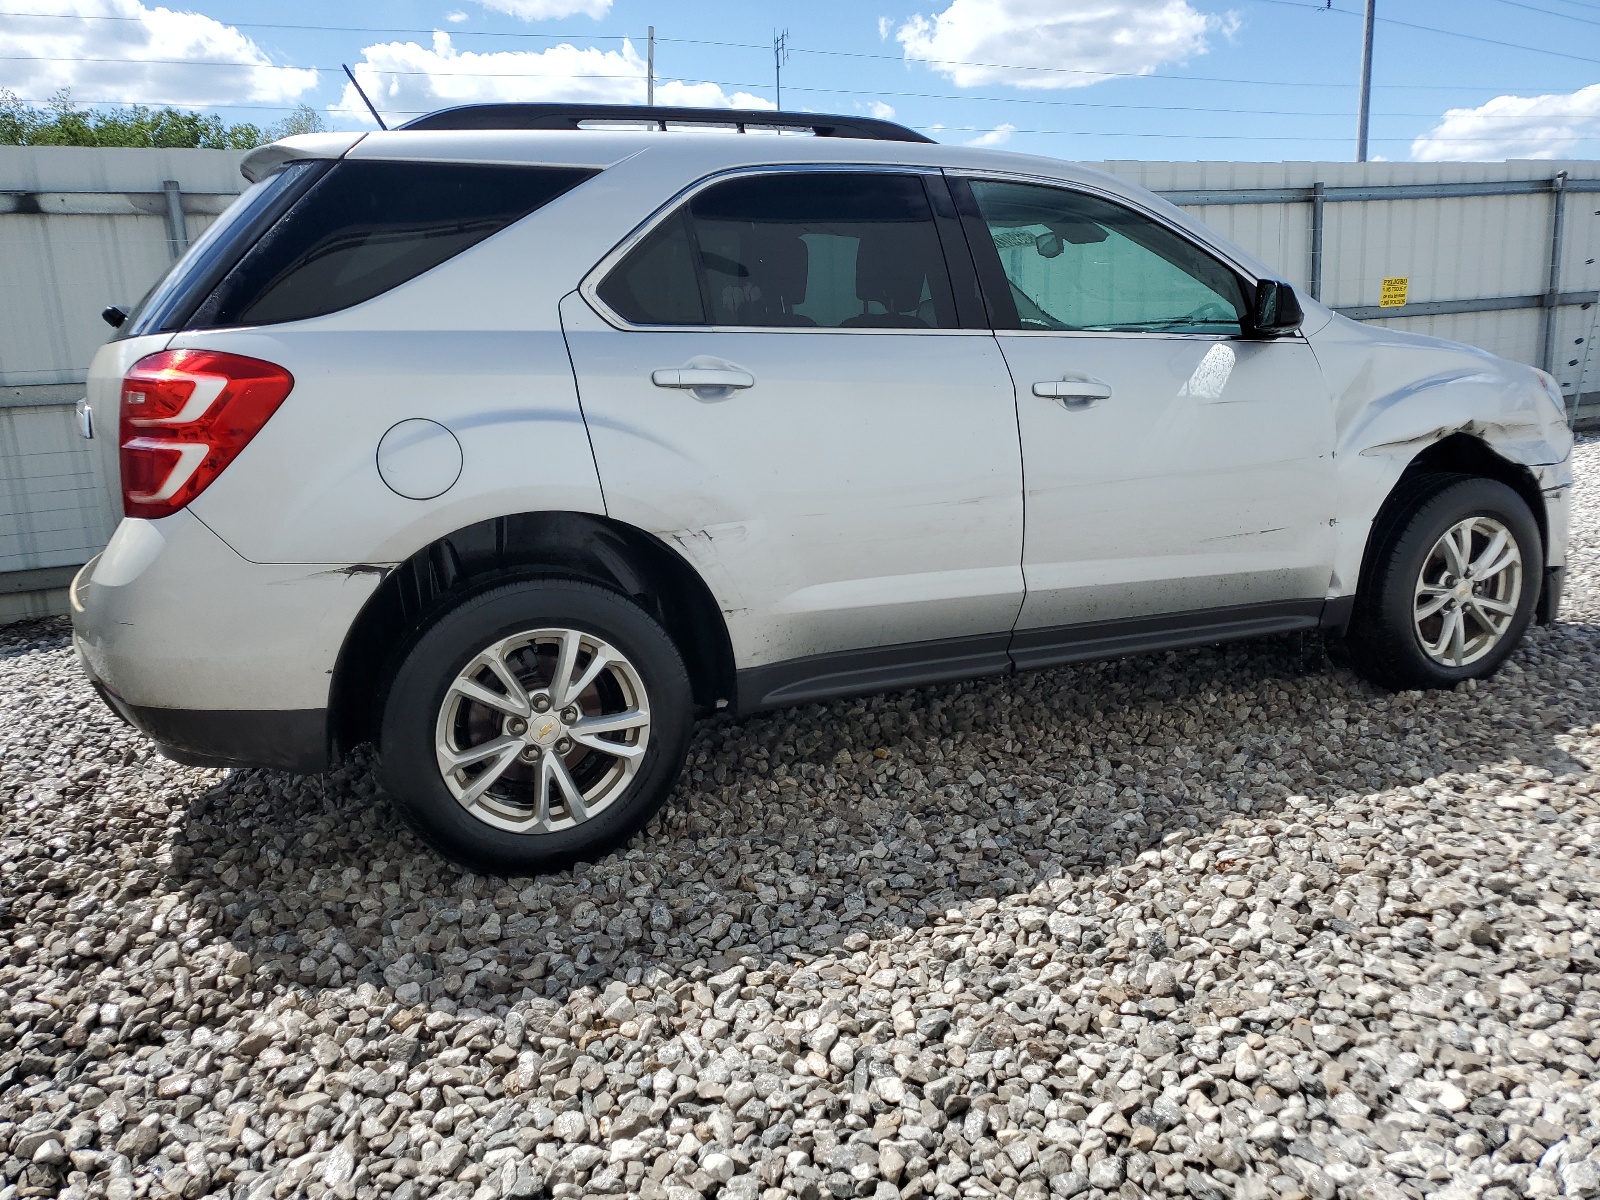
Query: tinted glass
point(836, 250)
point(366, 227)
point(170, 302)
point(656, 284)
point(1075, 262)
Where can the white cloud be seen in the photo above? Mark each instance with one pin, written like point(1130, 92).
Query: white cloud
point(876, 108)
point(998, 136)
point(883, 28)
point(156, 55)
point(549, 10)
point(456, 17)
point(1057, 43)
point(406, 80)
point(1513, 127)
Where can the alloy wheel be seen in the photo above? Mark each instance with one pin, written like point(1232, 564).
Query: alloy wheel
point(542, 730)
point(1467, 592)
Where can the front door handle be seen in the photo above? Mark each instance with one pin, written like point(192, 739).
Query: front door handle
point(1085, 391)
point(702, 377)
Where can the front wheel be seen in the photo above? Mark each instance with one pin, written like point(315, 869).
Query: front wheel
point(1451, 588)
point(534, 725)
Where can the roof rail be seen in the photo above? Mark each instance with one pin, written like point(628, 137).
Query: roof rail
point(574, 116)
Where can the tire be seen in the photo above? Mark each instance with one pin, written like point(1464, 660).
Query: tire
point(1404, 630)
point(555, 797)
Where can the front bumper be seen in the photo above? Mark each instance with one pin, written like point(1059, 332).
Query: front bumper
point(1555, 485)
point(222, 662)
point(1555, 580)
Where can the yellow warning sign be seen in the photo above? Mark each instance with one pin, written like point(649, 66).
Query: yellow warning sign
point(1394, 292)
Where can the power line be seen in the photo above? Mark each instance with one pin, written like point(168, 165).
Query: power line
point(1589, 4)
point(189, 62)
point(432, 29)
point(1219, 137)
point(1096, 104)
point(950, 62)
point(1471, 37)
point(571, 37)
point(1547, 12)
point(897, 95)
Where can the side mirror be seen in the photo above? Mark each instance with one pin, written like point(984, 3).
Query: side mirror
point(114, 315)
point(1277, 310)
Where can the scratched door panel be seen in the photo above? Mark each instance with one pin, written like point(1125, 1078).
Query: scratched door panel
point(1204, 480)
point(865, 491)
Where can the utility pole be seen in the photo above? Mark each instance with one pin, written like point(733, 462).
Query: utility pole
point(780, 55)
point(650, 68)
point(1366, 84)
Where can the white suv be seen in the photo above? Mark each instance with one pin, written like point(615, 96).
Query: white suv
point(511, 444)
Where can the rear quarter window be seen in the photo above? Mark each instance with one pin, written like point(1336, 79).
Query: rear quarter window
point(366, 227)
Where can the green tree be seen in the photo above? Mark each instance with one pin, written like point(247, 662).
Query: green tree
point(61, 123)
point(304, 119)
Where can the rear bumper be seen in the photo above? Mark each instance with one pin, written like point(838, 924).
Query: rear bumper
point(222, 662)
point(282, 740)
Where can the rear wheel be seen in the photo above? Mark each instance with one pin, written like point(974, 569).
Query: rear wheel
point(534, 725)
point(1452, 586)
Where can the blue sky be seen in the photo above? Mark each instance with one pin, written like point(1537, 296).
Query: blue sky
point(1082, 79)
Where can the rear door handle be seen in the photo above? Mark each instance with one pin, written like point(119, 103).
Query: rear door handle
point(1073, 389)
point(702, 377)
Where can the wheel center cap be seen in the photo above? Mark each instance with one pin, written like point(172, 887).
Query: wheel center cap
point(545, 729)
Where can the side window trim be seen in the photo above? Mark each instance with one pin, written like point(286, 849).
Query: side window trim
point(992, 282)
point(677, 208)
point(971, 310)
point(997, 289)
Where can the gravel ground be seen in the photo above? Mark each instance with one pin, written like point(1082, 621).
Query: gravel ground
point(1224, 923)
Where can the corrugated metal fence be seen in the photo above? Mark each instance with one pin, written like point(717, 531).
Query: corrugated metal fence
point(80, 228)
point(1502, 255)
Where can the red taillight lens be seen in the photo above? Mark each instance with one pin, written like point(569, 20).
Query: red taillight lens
point(186, 414)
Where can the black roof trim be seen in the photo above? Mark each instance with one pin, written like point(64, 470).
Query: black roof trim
point(571, 116)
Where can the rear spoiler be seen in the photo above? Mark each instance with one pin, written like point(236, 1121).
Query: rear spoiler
point(264, 160)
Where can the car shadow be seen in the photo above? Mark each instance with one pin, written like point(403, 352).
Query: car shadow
point(796, 833)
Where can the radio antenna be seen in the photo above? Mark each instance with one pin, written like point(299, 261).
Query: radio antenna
point(360, 91)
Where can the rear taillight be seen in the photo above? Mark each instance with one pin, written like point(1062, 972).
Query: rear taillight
point(186, 414)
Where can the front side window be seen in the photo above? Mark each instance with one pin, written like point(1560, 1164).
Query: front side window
point(1075, 262)
point(814, 249)
point(366, 227)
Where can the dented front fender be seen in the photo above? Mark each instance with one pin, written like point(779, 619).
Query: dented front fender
point(1396, 394)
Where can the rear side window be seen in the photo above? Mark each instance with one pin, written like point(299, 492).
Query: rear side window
point(656, 284)
point(169, 304)
point(814, 249)
point(366, 227)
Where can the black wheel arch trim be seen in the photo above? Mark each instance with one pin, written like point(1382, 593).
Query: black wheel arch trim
point(1466, 455)
point(582, 547)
